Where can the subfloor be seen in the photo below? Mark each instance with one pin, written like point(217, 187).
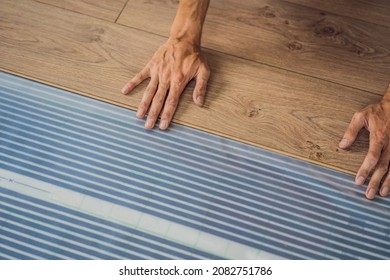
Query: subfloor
point(286, 75)
point(82, 179)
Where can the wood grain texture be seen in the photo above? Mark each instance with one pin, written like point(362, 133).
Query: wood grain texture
point(304, 40)
point(255, 103)
point(104, 9)
point(374, 11)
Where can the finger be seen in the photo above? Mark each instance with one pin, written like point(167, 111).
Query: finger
point(175, 91)
point(377, 176)
point(356, 124)
point(150, 91)
point(139, 78)
point(385, 189)
point(201, 85)
point(370, 161)
point(156, 106)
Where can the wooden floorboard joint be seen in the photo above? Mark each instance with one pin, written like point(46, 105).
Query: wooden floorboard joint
point(120, 13)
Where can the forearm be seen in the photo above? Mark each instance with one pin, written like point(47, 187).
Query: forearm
point(188, 23)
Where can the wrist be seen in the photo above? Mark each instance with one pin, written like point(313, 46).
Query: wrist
point(189, 19)
point(188, 31)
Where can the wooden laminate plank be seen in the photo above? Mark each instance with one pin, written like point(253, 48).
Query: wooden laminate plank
point(104, 9)
point(290, 36)
point(375, 11)
point(255, 103)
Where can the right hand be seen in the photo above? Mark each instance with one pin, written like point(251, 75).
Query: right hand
point(376, 119)
point(171, 68)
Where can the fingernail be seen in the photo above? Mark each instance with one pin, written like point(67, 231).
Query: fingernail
point(140, 113)
point(163, 124)
point(371, 193)
point(385, 191)
point(200, 99)
point(343, 143)
point(124, 89)
point(149, 123)
point(360, 180)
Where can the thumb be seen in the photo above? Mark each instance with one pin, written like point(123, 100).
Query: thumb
point(201, 85)
point(356, 124)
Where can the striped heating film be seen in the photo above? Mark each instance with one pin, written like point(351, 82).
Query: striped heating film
point(82, 179)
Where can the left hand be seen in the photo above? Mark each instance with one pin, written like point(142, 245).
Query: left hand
point(376, 119)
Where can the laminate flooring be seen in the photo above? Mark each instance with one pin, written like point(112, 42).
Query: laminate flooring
point(286, 75)
point(104, 9)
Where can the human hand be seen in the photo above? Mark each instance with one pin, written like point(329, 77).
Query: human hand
point(376, 119)
point(171, 68)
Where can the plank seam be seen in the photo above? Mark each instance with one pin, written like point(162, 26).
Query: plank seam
point(266, 64)
point(333, 13)
point(120, 13)
point(77, 12)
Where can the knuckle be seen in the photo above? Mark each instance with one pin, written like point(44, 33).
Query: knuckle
point(138, 76)
point(167, 115)
point(142, 105)
point(163, 84)
point(152, 64)
point(178, 78)
point(372, 158)
point(202, 80)
point(373, 155)
point(358, 115)
point(374, 184)
point(158, 68)
point(176, 85)
point(171, 101)
point(374, 180)
point(201, 88)
point(380, 137)
point(158, 99)
point(153, 115)
point(151, 88)
point(382, 169)
point(177, 81)
point(365, 172)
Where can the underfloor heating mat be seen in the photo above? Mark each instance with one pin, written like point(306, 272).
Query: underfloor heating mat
point(83, 179)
